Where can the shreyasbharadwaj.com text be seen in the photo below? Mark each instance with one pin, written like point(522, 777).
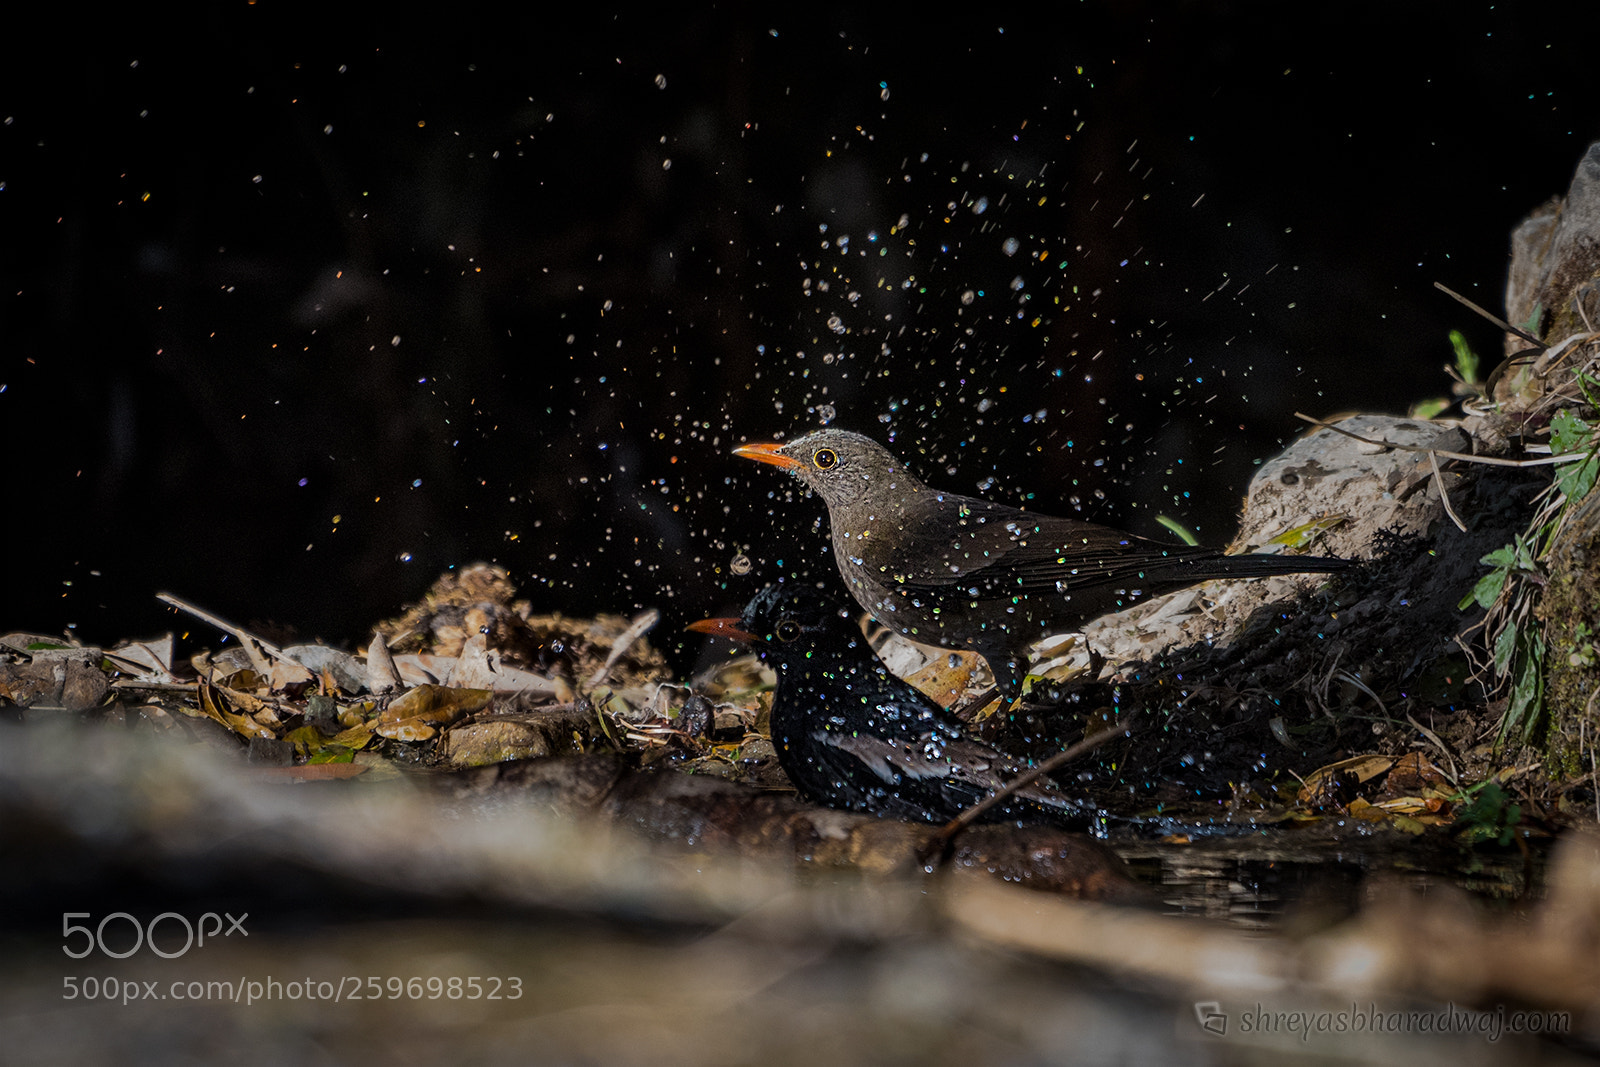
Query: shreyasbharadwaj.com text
point(253, 991)
point(1492, 1023)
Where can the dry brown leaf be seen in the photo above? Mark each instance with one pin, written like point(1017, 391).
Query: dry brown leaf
point(212, 705)
point(481, 668)
point(1413, 774)
point(1359, 768)
point(381, 673)
point(286, 673)
point(150, 661)
point(357, 737)
point(417, 714)
point(945, 677)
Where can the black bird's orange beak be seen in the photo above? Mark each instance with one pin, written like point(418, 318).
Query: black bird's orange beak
point(728, 628)
point(768, 453)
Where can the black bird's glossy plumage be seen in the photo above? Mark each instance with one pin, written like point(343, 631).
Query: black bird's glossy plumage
point(962, 572)
point(851, 735)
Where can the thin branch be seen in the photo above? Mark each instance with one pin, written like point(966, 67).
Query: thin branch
point(1350, 679)
point(1555, 355)
point(1493, 461)
point(253, 645)
point(1455, 775)
point(1497, 320)
point(1033, 774)
point(156, 687)
point(636, 629)
point(1444, 497)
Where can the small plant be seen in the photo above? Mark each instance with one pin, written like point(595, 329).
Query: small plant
point(1517, 577)
point(1570, 433)
point(1510, 589)
point(1492, 816)
point(1467, 365)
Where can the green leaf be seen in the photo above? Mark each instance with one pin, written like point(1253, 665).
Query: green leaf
point(1486, 591)
point(1178, 528)
point(1576, 479)
point(1466, 359)
point(1570, 434)
point(1504, 646)
point(1490, 817)
point(1526, 706)
point(1501, 557)
point(1513, 816)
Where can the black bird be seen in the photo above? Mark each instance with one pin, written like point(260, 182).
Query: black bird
point(961, 572)
point(851, 735)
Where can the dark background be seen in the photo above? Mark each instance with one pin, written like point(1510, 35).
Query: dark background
point(297, 315)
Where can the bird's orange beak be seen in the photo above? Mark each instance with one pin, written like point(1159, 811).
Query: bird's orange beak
point(728, 628)
point(768, 453)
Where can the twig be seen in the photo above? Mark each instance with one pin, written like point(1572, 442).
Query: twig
point(129, 663)
point(600, 716)
point(253, 645)
point(156, 687)
point(1455, 775)
point(1444, 497)
point(637, 629)
point(1493, 461)
point(1352, 680)
point(1497, 320)
point(1556, 354)
point(1033, 774)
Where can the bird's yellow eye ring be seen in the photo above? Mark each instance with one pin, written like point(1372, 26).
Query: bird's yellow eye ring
point(824, 459)
point(787, 629)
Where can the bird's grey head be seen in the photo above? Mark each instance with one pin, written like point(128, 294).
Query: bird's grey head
point(843, 467)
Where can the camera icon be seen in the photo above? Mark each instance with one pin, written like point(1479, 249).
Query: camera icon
point(1209, 1014)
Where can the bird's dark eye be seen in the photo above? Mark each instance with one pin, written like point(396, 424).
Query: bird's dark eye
point(825, 459)
point(787, 629)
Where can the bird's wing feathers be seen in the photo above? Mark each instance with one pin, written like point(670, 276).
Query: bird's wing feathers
point(1003, 551)
point(964, 770)
point(915, 758)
